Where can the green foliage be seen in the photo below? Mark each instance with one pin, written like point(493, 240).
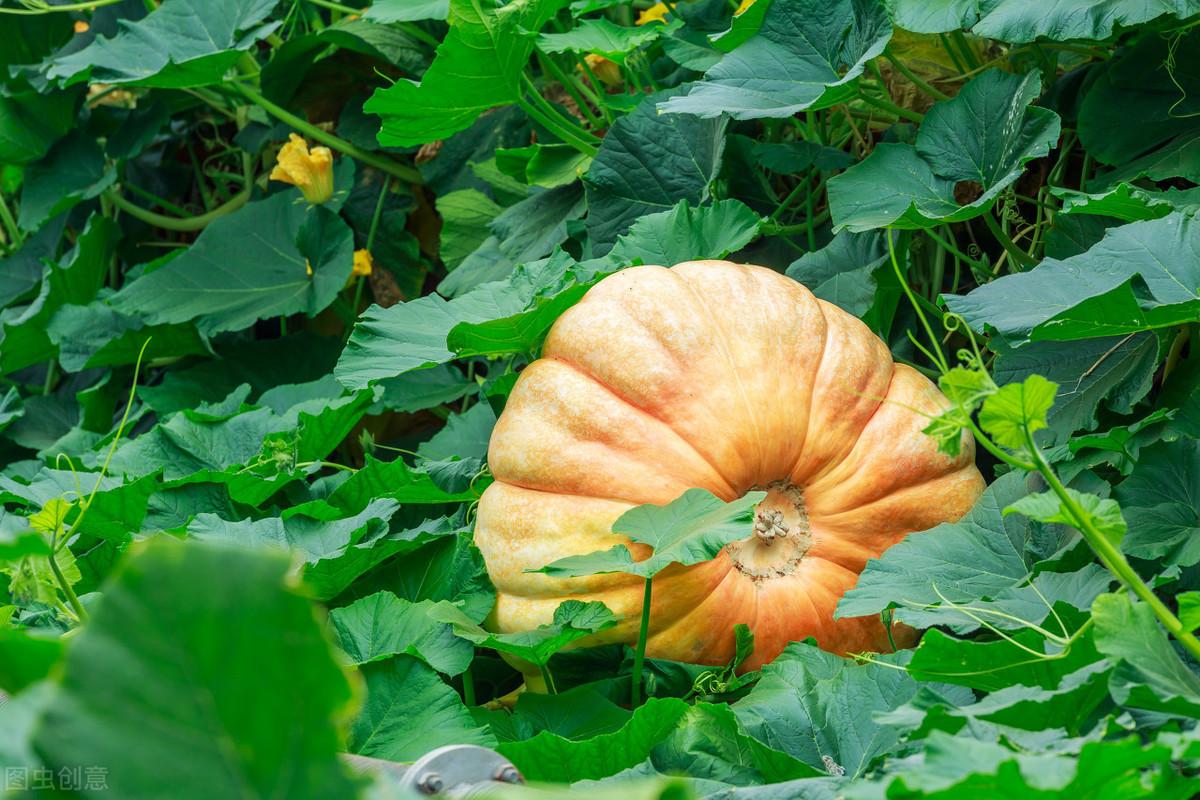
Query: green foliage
point(244, 437)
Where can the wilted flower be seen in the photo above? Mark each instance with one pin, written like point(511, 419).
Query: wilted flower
point(309, 170)
point(362, 263)
point(605, 69)
point(655, 13)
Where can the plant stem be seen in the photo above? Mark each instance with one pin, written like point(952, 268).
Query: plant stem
point(548, 678)
point(65, 585)
point(561, 130)
point(1019, 256)
point(912, 76)
point(639, 655)
point(468, 687)
point(407, 27)
point(573, 88)
point(401, 171)
point(10, 224)
point(1110, 556)
point(183, 225)
point(940, 359)
point(891, 107)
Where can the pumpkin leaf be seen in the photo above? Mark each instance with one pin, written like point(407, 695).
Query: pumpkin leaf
point(806, 54)
point(382, 625)
point(693, 528)
point(649, 162)
point(409, 710)
point(181, 605)
point(573, 620)
point(477, 67)
point(182, 44)
point(1018, 22)
point(1149, 673)
point(1160, 501)
point(1138, 277)
point(975, 143)
point(599, 36)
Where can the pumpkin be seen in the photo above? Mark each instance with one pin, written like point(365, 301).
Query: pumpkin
point(730, 378)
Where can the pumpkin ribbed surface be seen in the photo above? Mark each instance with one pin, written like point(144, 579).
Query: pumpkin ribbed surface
point(729, 378)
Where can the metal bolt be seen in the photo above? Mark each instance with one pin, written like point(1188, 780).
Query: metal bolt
point(430, 783)
point(508, 774)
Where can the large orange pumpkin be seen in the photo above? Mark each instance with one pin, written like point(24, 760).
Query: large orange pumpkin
point(729, 378)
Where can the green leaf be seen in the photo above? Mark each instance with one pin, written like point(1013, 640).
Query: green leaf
point(547, 165)
point(1115, 372)
point(333, 550)
point(815, 706)
point(183, 43)
point(395, 480)
point(549, 757)
point(1161, 501)
point(1140, 276)
point(407, 10)
point(648, 162)
point(1017, 410)
point(1103, 513)
point(97, 335)
point(807, 54)
point(30, 123)
point(409, 712)
point(247, 266)
point(1019, 22)
point(382, 625)
point(76, 279)
point(1149, 675)
point(981, 139)
point(26, 657)
point(601, 37)
point(185, 621)
point(693, 528)
point(573, 620)
point(1129, 203)
point(478, 66)
point(1189, 609)
point(981, 555)
point(73, 171)
point(845, 271)
point(1154, 81)
point(687, 234)
point(993, 665)
point(466, 215)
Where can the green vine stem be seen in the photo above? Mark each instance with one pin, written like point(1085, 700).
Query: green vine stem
point(1019, 256)
point(180, 224)
point(15, 237)
point(639, 655)
point(891, 108)
point(916, 80)
point(1112, 558)
point(401, 171)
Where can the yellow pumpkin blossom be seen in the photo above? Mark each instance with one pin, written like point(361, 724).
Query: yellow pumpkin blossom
point(81, 26)
point(655, 13)
point(745, 4)
point(606, 70)
point(309, 170)
point(362, 263)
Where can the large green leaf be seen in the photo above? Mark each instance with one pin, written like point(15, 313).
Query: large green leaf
point(1140, 276)
point(183, 43)
point(693, 528)
point(1161, 502)
point(174, 660)
point(1020, 21)
point(478, 66)
point(382, 625)
point(573, 620)
point(818, 708)
point(410, 711)
point(979, 140)
point(249, 265)
point(1116, 371)
point(73, 171)
point(599, 36)
point(806, 55)
point(1149, 674)
point(648, 162)
point(30, 123)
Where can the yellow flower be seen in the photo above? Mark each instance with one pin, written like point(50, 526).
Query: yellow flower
point(745, 4)
point(310, 170)
point(308, 266)
point(362, 263)
point(655, 13)
point(81, 26)
point(605, 69)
